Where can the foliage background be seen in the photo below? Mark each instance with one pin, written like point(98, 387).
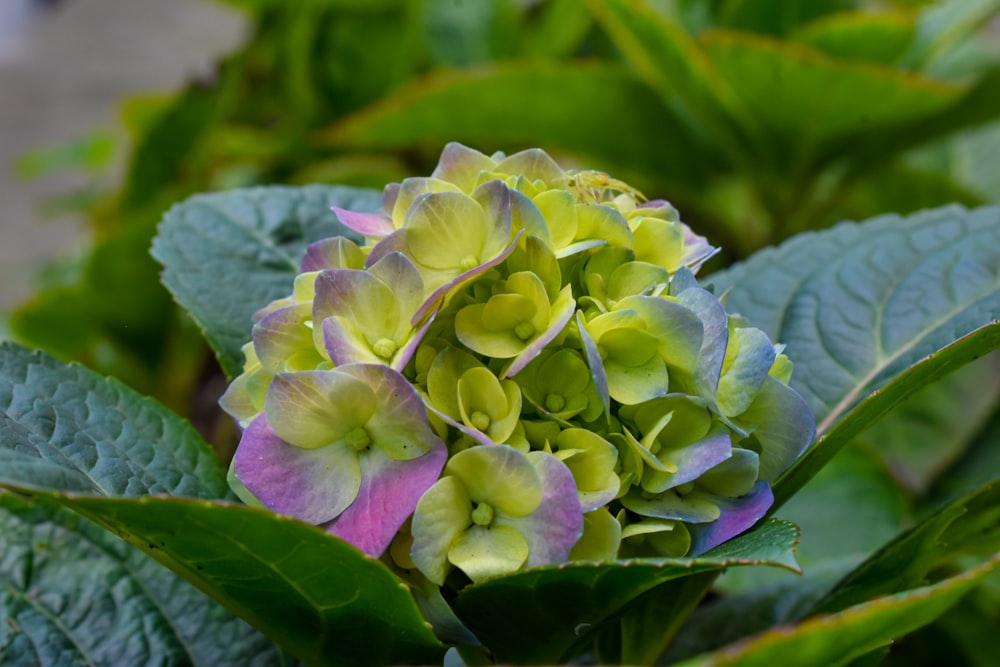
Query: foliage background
point(758, 119)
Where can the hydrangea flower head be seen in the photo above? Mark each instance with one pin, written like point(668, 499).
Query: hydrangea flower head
point(516, 367)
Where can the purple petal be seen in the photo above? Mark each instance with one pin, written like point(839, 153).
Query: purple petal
point(395, 242)
point(738, 515)
point(281, 334)
point(389, 196)
point(713, 345)
point(693, 460)
point(556, 526)
point(332, 253)
point(313, 485)
point(372, 225)
point(596, 364)
point(388, 495)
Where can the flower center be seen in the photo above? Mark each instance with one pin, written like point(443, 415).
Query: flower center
point(554, 402)
point(359, 439)
point(384, 348)
point(482, 515)
point(480, 420)
point(524, 330)
point(469, 262)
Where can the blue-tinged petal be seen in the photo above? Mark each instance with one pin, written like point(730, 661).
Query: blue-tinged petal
point(387, 497)
point(782, 423)
point(678, 329)
point(716, 339)
point(312, 485)
point(736, 516)
point(442, 514)
point(337, 252)
point(312, 409)
point(690, 461)
point(734, 477)
point(748, 361)
point(595, 363)
point(691, 508)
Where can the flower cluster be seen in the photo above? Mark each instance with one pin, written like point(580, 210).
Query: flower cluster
point(516, 368)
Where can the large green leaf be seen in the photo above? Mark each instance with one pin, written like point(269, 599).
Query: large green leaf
point(878, 309)
point(805, 100)
point(969, 524)
point(538, 616)
point(838, 639)
point(315, 595)
point(596, 109)
point(228, 254)
point(65, 428)
point(72, 593)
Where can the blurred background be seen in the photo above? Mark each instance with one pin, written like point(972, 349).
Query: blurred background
point(65, 66)
point(758, 119)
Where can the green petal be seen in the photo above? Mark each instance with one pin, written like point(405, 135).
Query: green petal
point(447, 230)
point(489, 552)
point(602, 534)
point(659, 242)
point(559, 210)
point(634, 384)
point(442, 379)
point(500, 476)
point(634, 278)
point(313, 409)
point(442, 513)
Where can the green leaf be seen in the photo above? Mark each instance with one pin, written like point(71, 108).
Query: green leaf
point(65, 428)
point(873, 310)
point(881, 38)
point(837, 639)
point(316, 596)
point(971, 523)
point(775, 17)
point(929, 431)
point(596, 109)
point(74, 594)
point(539, 615)
point(805, 100)
point(228, 254)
